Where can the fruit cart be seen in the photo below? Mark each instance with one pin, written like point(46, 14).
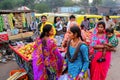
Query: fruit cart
point(23, 56)
point(22, 61)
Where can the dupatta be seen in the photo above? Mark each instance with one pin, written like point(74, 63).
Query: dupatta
point(54, 59)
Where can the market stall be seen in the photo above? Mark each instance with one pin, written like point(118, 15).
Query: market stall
point(14, 25)
point(23, 56)
point(15, 22)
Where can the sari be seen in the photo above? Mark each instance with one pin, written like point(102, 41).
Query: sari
point(54, 59)
point(98, 71)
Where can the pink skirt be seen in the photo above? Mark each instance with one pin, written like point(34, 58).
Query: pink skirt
point(99, 71)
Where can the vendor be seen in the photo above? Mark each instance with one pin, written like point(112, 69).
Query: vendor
point(43, 23)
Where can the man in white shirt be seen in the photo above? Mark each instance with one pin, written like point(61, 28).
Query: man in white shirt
point(109, 23)
point(71, 22)
point(58, 24)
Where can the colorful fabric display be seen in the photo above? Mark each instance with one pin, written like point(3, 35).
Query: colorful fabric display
point(1, 24)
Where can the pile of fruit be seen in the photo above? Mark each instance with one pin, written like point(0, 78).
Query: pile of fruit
point(117, 33)
point(27, 50)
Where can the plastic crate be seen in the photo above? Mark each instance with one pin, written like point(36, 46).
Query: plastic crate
point(3, 37)
point(24, 77)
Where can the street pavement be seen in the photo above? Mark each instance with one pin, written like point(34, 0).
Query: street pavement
point(113, 74)
point(114, 71)
point(6, 68)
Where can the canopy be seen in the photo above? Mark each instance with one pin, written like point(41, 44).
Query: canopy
point(23, 8)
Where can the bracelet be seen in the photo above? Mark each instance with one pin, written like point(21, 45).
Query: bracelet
point(81, 74)
point(82, 70)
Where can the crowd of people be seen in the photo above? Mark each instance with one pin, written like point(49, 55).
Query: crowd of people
point(86, 53)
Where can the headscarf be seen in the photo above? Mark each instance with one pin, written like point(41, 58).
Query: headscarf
point(95, 39)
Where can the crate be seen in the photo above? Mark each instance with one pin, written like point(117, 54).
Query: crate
point(3, 37)
point(22, 77)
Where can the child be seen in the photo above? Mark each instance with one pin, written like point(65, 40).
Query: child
point(113, 42)
point(85, 34)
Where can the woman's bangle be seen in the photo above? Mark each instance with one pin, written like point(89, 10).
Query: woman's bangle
point(81, 74)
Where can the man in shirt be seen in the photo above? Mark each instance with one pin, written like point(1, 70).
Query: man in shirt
point(109, 23)
point(71, 22)
point(58, 24)
point(86, 23)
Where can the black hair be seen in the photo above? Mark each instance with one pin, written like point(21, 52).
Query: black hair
point(72, 16)
point(101, 22)
point(43, 16)
point(88, 19)
point(85, 17)
point(100, 19)
point(82, 26)
point(108, 16)
point(76, 29)
point(56, 18)
point(110, 30)
point(46, 30)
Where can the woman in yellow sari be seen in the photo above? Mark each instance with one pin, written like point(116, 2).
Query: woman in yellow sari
point(43, 23)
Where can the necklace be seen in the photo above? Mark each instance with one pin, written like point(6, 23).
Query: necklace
point(74, 43)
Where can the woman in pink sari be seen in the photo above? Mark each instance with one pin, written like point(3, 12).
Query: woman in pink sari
point(47, 61)
point(99, 70)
